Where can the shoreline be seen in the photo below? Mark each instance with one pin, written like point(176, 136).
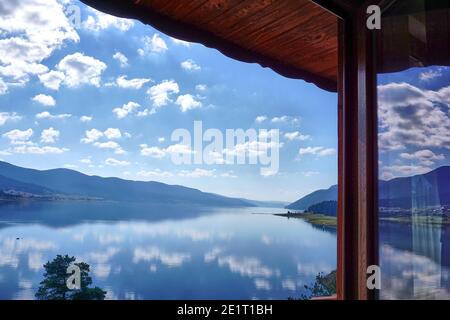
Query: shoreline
point(330, 221)
point(313, 218)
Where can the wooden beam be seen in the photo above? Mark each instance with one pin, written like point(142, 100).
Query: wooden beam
point(358, 159)
point(341, 8)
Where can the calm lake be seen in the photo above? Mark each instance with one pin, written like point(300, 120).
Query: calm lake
point(174, 252)
point(137, 252)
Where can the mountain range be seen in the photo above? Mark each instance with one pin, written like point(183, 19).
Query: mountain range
point(418, 191)
point(65, 183)
point(314, 198)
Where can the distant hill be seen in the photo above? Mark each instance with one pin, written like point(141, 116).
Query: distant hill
point(313, 198)
point(11, 186)
point(328, 208)
point(429, 189)
point(73, 183)
point(267, 204)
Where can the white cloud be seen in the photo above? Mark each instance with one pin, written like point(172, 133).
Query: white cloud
point(92, 136)
point(154, 152)
point(246, 266)
point(121, 58)
point(197, 173)
point(179, 149)
point(160, 93)
point(116, 163)
point(155, 44)
point(17, 136)
point(389, 172)
point(260, 119)
point(79, 69)
point(409, 116)
point(86, 118)
point(296, 136)
point(268, 173)
point(161, 139)
point(187, 102)
point(112, 133)
point(310, 173)
point(158, 153)
point(430, 75)
point(180, 42)
point(319, 151)
point(229, 174)
point(3, 87)
point(31, 31)
point(112, 145)
point(157, 173)
point(137, 83)
point(285, 119)
point(45, 100)
point(49, 135)
point(86, 161)
point(8, 116)
point(52, 79)
point(190, 65)
point(424, 157)
point(24, 149)
point(99, 21)
point(125, 110)
point(254, 148)
point(48, 115)
point(141, 52)
point(201, 87)
point(262, 284)
point(289, 284)
point(146, 112)
point(171, 260)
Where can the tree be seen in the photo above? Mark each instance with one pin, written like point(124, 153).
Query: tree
point(324, 286)
point(54, 286)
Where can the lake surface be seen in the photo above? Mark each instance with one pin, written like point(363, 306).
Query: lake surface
point(414, 261)
point(138, 252)
point(173, 252)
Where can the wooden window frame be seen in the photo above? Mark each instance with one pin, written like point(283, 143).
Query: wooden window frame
point(357, 231)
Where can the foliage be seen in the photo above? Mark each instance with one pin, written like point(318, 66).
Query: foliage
point(54, 285)
point(324, 286)
point(328, 208)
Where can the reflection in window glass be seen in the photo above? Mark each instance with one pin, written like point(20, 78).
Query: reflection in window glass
point(414, 151)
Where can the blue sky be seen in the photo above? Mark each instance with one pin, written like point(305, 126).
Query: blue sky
point(103, 98)
point(414, 121)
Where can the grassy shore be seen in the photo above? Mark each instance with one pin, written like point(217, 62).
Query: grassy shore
point(328, 221)
point(313, 218)
point(418, 219)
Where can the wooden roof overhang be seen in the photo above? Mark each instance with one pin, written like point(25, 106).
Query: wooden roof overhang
point(296, 38)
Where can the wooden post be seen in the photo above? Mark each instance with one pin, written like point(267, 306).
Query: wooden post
point(358, 158)
point(357, 234)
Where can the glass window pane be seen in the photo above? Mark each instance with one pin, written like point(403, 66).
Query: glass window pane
point(414, 151)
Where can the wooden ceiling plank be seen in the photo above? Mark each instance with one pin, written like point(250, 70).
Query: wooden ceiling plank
point(317, 61)
point(210, 10)
point(176, 9)
point(318, 41)
point(235, 28)
point(245, 10)
point(308, 29)
point(272, 29)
